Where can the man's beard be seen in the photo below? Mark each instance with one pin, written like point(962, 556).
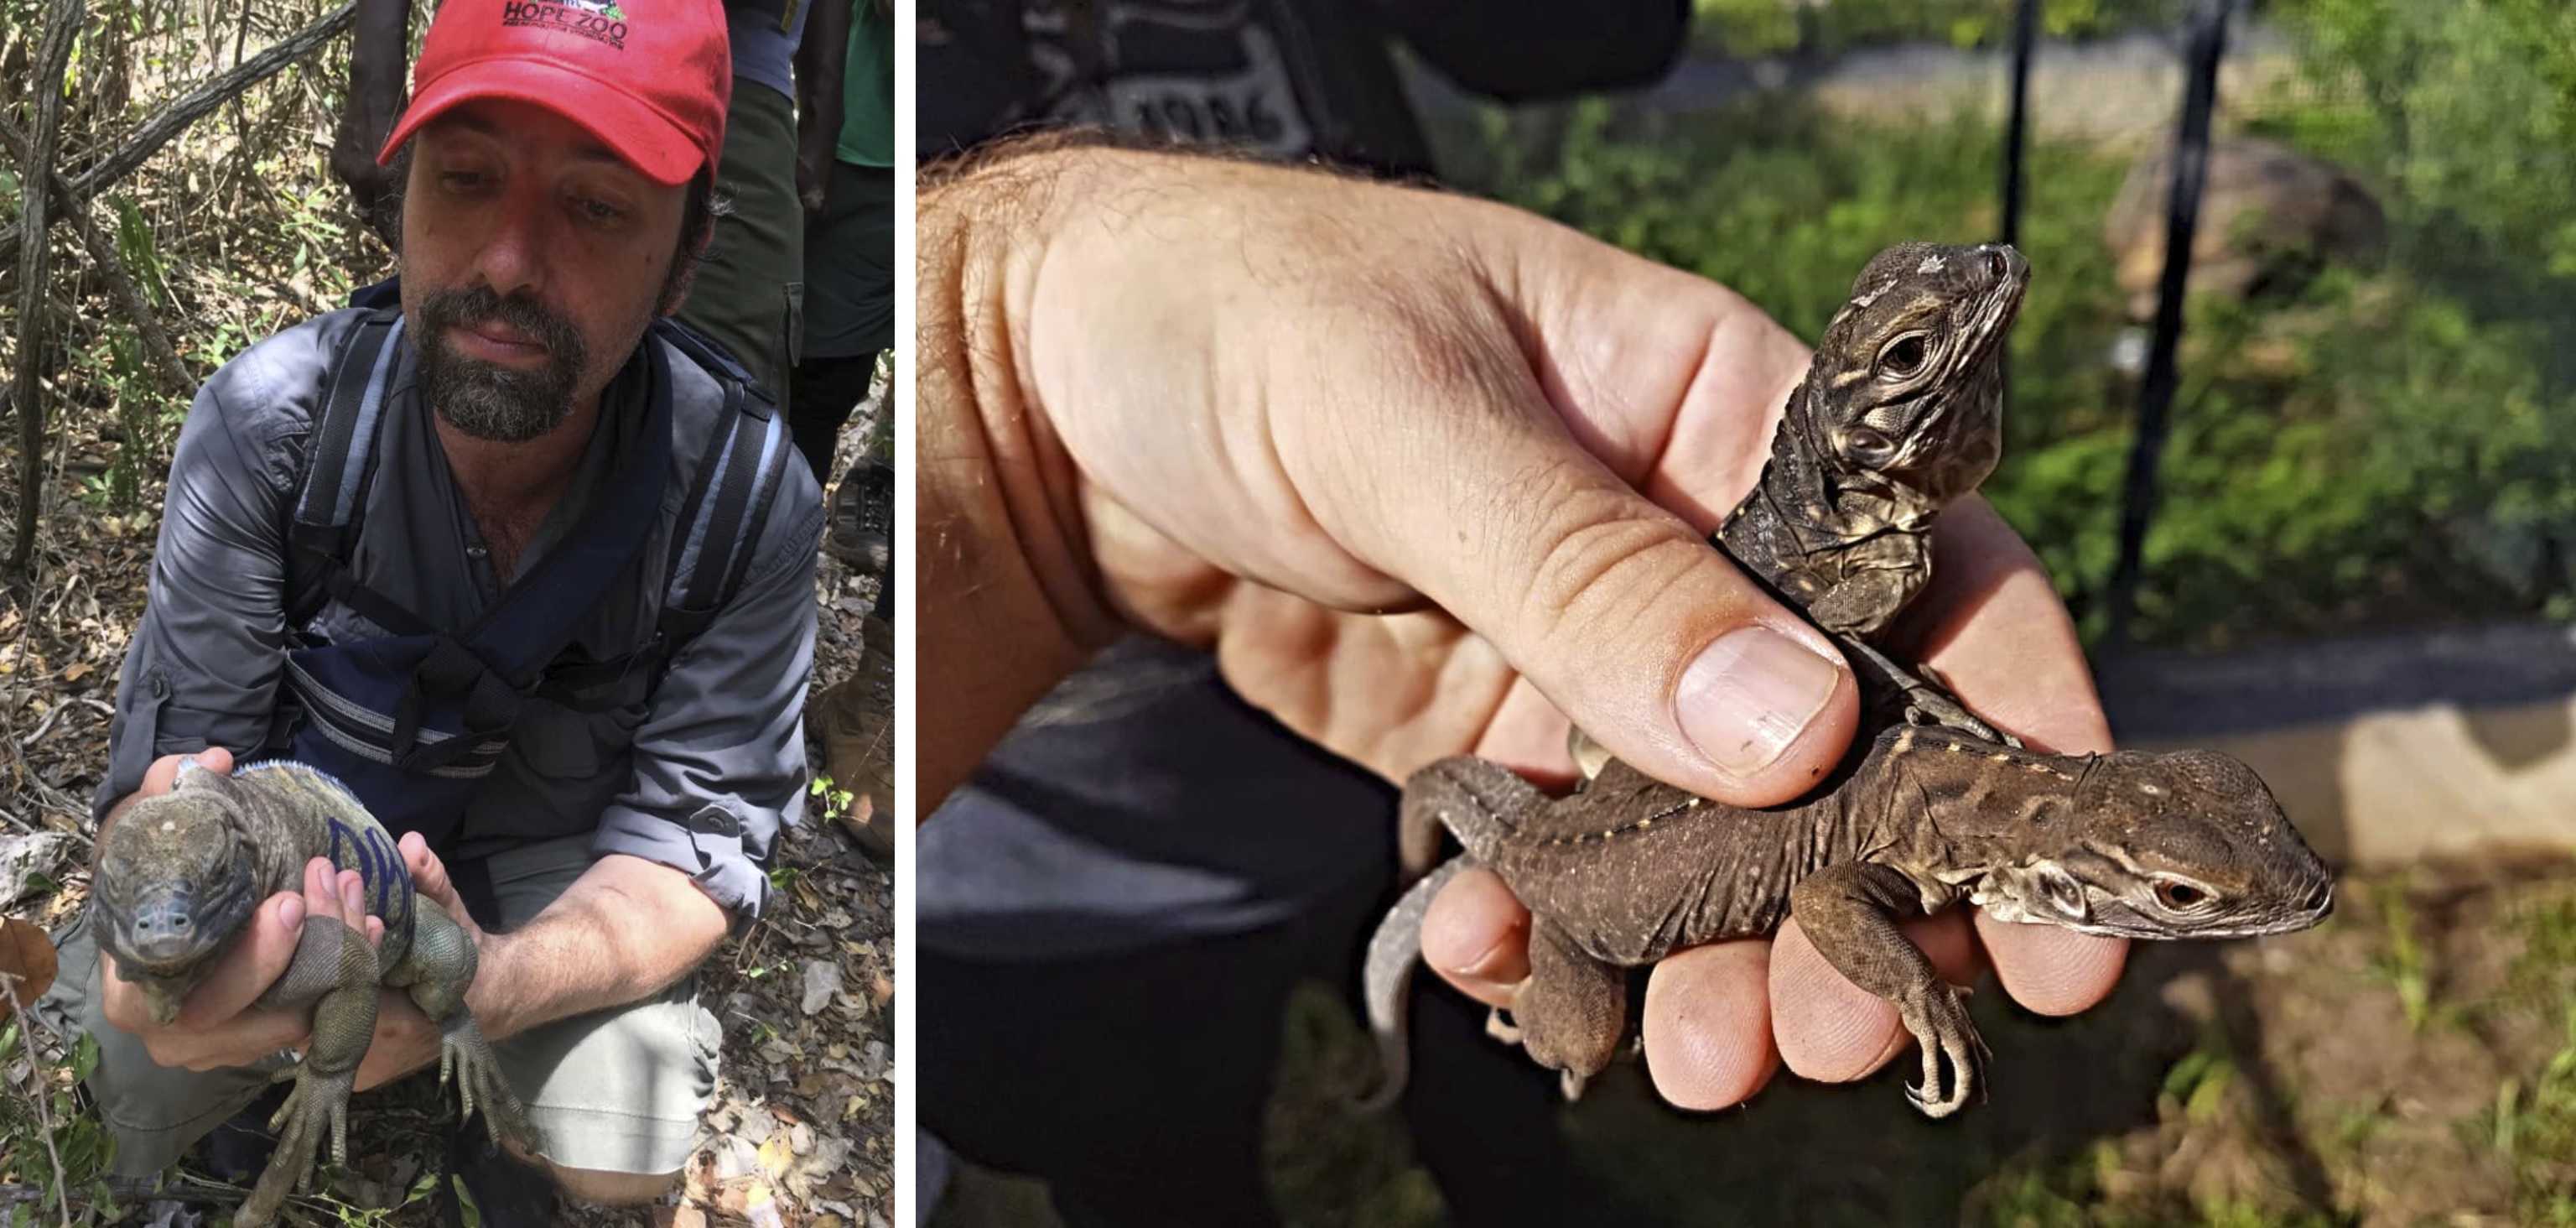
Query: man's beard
point(487, 400)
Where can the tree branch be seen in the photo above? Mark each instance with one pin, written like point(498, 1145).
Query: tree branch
point(157, 131)
point(102, 251)
point(53, 57)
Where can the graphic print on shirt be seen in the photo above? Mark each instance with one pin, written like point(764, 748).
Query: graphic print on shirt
point(1189, 72)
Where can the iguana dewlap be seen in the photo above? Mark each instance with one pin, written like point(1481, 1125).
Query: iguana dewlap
point(2186, 844)
point(179, 875)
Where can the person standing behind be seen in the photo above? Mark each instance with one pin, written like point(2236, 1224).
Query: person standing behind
point(845, 151)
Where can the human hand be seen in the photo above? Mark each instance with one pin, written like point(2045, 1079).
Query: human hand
point(1427, 475)
point(353, 162)
point(218, 1024)
point(406, 1039)
point(810, 181)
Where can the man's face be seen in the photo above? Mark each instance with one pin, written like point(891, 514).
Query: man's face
point(532, 261)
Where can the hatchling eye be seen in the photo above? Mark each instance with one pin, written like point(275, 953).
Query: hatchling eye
point(1906, 356)
point(2180, 896)
point(1869, 446)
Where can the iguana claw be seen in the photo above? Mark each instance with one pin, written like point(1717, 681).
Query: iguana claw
point(1942, 1030)
point(464, 1056)
point(318, 1099)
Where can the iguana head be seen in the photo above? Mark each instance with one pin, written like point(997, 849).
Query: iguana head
point(176, 883)
point(2187, 844)
point(1905, 395)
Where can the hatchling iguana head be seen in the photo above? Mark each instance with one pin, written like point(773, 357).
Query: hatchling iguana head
point(175, 885)
point(1905, 394)
point(2187, 844)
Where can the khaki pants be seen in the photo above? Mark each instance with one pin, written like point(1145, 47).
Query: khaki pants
point(617, 1090)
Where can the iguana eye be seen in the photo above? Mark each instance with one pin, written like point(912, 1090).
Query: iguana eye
point(1869, 446)
point(1905, 356)
point(2179, 896)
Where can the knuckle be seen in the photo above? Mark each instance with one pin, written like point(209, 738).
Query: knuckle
point(1604, 574)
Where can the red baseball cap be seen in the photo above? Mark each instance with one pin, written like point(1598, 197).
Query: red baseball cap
point(650, 78)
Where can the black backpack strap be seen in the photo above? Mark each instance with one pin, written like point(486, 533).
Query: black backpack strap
point(339, 465)
point(713, 540)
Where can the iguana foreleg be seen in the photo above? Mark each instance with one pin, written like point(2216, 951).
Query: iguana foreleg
point(1925, 701)
point(1849, 912)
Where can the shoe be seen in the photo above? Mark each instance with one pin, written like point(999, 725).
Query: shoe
point(862, 517)
point(855, 721)
point(504, 1192)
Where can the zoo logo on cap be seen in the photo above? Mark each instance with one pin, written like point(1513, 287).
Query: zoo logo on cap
point(598, 20)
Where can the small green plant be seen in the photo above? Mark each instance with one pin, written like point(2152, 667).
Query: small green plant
point(2534, 1129)
point(836, 801)
point(2403, 966)
point(46, 1142)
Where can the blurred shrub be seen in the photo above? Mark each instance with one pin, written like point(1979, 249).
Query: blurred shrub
point(1750, 28)
point(2393, 446)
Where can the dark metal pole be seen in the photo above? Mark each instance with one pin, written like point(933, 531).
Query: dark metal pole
point(2016, 136)
point(2156, 391)
point(2016, 129)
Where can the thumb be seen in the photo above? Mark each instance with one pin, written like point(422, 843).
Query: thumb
point(1630, 622)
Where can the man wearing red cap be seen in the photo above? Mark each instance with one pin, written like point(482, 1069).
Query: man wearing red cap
point(526, 566)
point(748, 295)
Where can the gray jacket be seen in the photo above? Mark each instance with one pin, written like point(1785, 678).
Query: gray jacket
point(721, 730)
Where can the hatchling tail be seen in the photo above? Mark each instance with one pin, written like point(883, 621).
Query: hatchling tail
point(1388, 975)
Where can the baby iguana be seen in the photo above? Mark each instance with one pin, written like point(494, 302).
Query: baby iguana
point(1900, 415)
point(2186, 844)
point(178, 877)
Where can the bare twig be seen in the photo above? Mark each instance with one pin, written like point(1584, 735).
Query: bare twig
point(46, 725)
point(158, 130)
point(129, 1191)
point(29, 1026)
point(102, 252)
point(53, 58)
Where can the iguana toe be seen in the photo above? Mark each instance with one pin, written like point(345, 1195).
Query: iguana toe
point(464, 1056)
point(1947, 1038)
point(320, 1101)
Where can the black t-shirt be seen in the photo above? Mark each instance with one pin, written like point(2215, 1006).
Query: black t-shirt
point(1289, 79)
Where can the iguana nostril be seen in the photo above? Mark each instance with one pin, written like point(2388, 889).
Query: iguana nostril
point(1998, 264)
point(2321, 898)
point(162, 930)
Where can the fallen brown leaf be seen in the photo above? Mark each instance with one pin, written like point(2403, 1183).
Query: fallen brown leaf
point(26, 954)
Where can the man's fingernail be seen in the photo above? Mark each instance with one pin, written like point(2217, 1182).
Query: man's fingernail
point(1749, 695)
point(1486, 966)
point(291, 912)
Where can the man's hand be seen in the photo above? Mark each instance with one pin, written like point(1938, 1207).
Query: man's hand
point(407, 1040)
point(218, 1025)
point(1428, 475)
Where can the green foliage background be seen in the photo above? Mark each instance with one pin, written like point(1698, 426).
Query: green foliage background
point(2393, 446)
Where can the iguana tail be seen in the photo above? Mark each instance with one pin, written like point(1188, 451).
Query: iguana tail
point(1388, 974)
